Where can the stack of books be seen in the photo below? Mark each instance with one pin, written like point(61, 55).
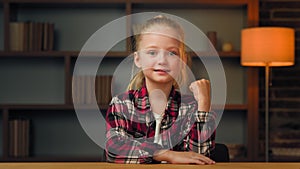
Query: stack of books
point(84, 90)
point(31, 36)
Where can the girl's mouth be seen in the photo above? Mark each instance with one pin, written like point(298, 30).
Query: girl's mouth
point(162, 70)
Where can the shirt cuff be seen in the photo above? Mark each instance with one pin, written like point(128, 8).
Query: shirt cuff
point(203, 117)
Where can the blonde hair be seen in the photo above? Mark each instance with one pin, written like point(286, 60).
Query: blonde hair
point(160, 20)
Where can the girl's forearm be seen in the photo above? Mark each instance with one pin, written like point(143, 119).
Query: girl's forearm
point(162, 155)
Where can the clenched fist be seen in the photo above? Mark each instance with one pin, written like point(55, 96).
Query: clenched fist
point(201, 91)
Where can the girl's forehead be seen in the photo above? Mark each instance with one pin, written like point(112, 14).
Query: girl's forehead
point(157, 39)
point(164, 31)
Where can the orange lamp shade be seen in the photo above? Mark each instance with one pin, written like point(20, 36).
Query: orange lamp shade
point(272, 46)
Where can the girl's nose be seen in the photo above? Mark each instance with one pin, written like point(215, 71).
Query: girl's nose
point(162, 56)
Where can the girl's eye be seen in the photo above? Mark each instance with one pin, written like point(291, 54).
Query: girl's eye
point(172, 53)
point(152, 52)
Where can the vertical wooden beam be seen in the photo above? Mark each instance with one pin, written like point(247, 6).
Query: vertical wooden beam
point(68, 80)
point(5, 133)
point(6, 19)
point(253, 13)
point(253, 91)
point(128, 26)
point(253, 110)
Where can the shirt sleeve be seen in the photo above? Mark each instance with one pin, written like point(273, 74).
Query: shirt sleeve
point(201, 138)
point(123, 146)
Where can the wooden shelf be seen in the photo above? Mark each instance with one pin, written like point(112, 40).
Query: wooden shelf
point(285, 158)
point(233, 54)
point(52, 159)
point(236, 107)
point(120, 54)
point(37, 106)
point(68, 1)
point(170, 2)
point(61, 54)
point(241, 107)
point(188, 4)
point(214, 3)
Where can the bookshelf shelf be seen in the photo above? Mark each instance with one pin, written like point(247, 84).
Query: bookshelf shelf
point(202, 2)
point(52, 159)
point(285, 158)
point(61, 54)
point(236, 107)
point(233, 54)
point(68, 1)
point(239, 107)
point(113, 54)
point(63, 58)
point(37, 106)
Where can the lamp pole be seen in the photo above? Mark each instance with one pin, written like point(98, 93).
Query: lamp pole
point(267, 73)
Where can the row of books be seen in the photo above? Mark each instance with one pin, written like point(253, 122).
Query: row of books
point(19, 137)
point(236, 150)
point(31, 36)
point(84, 89)
point(285, 143)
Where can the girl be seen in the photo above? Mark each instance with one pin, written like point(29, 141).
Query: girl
point(153, 122)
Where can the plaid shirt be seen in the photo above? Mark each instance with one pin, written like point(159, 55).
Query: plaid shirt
point(131, 127)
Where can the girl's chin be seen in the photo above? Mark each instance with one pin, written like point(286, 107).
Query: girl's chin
point(162, 80)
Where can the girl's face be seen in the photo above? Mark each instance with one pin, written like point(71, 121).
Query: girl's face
point(158, 55)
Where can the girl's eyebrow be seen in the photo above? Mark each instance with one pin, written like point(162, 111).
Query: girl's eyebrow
point(168, 48)
point(173, 47)
point(152, 46)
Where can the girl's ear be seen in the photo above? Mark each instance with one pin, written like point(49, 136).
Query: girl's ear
point(137, 60)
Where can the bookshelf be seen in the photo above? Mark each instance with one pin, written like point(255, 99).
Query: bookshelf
point(1, 132)
point(1, 27)
point(48, 103)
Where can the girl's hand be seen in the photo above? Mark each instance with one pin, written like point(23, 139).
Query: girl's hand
point(183, 157)
point(201, 91)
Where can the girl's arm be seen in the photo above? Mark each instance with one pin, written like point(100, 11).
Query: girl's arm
point(201, 138)
point(198, 137)
point(202, 134)
point(200, 141)
point(197, 145)
point(121, 146)
point(182, 157)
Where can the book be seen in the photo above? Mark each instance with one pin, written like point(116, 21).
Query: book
point(19, 137)
point(15, 36)
point(50, 36)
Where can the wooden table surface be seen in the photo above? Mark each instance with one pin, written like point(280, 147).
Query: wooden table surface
point(98, 165)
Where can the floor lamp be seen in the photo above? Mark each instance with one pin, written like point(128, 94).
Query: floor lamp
point(267, 47)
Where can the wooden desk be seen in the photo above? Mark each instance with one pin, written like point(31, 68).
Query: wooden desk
point(84, 165)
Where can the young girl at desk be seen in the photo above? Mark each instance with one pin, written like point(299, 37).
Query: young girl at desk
point(153, 122)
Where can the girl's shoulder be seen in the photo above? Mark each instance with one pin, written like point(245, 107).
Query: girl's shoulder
point(125, 96)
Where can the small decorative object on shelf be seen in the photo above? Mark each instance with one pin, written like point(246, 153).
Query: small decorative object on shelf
point(227, 47)
point(212, 36)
